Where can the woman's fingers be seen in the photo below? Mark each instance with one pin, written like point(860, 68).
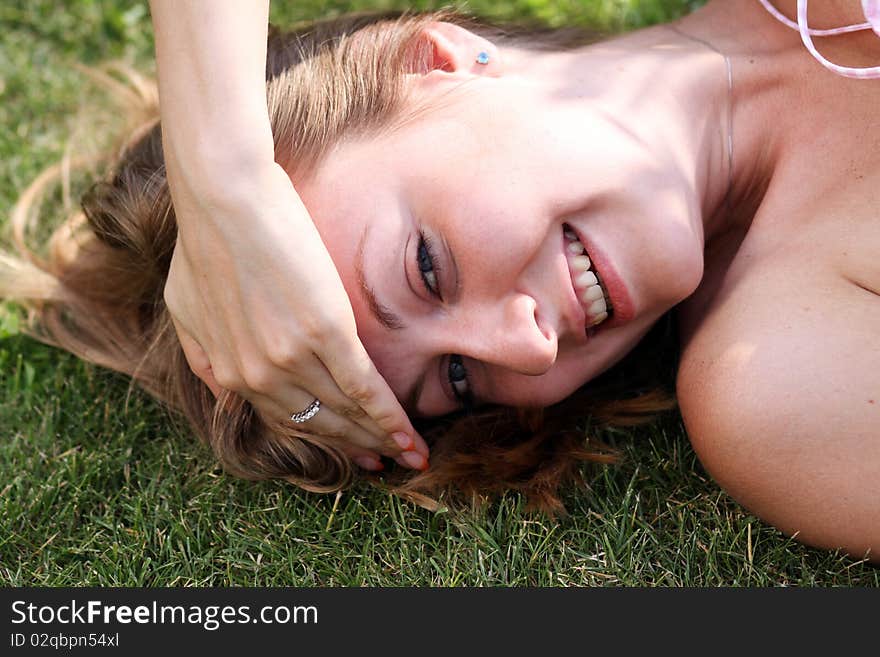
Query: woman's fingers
point(197, 359)
point(281, 393)
point(327, 422)
point(286, 380)
point(369, 444)
point(322, 386)
point(357, 377)
point(363, 446)
point(350, 436)
point(364, 460)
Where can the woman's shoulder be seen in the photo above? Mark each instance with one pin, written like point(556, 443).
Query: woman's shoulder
point(779, 389)
point(802, 278)
point(795, 329)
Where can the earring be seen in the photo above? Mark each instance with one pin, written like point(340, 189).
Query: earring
point(483, 58)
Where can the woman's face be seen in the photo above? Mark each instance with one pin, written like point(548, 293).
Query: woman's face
point(448, 234)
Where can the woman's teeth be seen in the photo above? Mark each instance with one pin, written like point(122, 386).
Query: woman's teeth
point(589, 288)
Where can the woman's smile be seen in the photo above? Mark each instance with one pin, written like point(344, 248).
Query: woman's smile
point(599, 286)
point(588, 289)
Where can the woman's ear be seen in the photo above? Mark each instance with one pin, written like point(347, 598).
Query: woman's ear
point(454, 49)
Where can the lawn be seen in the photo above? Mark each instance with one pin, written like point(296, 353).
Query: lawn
point(100, 489)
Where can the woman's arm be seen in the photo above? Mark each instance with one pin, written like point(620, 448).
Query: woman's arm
point(256, 300)
point(211, 59)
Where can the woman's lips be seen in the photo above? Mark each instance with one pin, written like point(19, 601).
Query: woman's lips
point(621, 307)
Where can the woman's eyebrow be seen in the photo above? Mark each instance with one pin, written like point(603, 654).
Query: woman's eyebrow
point(383, 314)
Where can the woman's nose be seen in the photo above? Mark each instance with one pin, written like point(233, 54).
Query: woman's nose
point(510, 334)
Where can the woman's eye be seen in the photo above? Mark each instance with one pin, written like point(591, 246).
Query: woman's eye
point(428, 267)
point(458, 379)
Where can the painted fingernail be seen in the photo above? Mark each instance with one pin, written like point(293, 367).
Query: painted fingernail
point(374, 465)
point(414, 460)
point(405, 441)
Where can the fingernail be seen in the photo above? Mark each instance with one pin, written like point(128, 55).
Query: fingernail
point(414, 460)
point(367, 463)
point(421, 447)
point(405, 441)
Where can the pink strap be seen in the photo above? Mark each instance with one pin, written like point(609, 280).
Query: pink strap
point(872, 14)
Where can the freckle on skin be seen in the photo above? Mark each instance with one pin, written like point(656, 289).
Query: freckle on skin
point(870, 401)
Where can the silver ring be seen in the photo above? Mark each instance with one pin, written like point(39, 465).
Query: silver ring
point(307, 414)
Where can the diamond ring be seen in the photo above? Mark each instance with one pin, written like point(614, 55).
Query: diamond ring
point(307, 414)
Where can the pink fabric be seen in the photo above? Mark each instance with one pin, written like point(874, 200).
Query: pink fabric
point(872, 13)
point(871, 9)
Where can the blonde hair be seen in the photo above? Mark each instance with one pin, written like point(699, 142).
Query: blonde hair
point(99, 291)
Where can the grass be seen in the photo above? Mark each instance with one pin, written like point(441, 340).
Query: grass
point(97, 492)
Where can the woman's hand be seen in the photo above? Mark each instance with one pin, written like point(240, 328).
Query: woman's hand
point(255, 298)
point(260, 310)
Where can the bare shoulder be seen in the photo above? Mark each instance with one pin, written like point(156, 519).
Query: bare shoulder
point(779, 388)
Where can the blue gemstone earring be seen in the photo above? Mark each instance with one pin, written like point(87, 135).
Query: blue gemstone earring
point(483, 58)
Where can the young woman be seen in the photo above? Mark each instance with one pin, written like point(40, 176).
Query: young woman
point(509, 221)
